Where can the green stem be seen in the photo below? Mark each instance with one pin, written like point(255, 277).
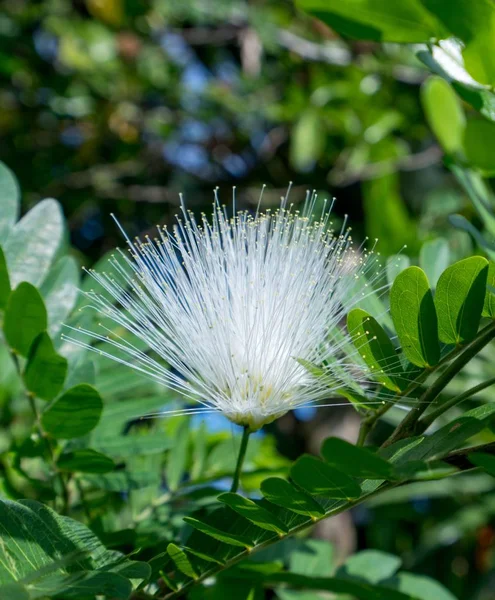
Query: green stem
point(240, 459)
point(369, 422)
point(82, 498)
point(46, 441)
point(457, 458)
point(407, 426)
point(427, 420)
point(246, 553)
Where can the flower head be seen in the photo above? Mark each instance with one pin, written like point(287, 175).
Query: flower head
point(238, 308)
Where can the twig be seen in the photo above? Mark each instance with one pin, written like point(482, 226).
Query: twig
point(428, 419)
point(408, 425)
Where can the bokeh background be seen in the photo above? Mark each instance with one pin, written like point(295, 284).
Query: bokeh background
point(117, 106)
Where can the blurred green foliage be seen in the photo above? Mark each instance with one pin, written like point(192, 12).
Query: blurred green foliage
point(119, 105)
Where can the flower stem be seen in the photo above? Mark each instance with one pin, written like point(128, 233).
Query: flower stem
point(240, 459)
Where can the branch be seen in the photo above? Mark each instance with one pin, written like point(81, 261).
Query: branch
point(457, 458)
point(408, 425)
point(427, 420)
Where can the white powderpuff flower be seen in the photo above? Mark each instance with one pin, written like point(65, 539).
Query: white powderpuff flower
point(238, 308)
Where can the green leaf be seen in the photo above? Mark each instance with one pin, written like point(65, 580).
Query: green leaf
point(313, 557)
point(434, 258)
point(463, 225)
point(74, 414)
point(4, 281)
point(199, 452)
point(483, 460)
point(14, 591)
point(414, 317)
point(307, 140)
point(421, 587)
point(347, 587)
point(177, 457)
point(223, 536)
point(25, 318)
point(459, 299)
point(448, 438)
point(33, 244)
point(377, 20)
point(9, 201)
point(55, 555)
point(395, 265)
point(45, 371)
point(449, 65)
point(375, 348)
point(282, 493)
point(317, 477)
point(489, 302)
point(474, 24)
point(253, 512)
point(356, 461)
point(372, 565)
point(444, 113)
point(121, 481)
point(181, 561)
point(127, 446)
point(85, 460)
point(60, 291)
point(479, 144)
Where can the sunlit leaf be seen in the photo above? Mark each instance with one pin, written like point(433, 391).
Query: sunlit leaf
point(9, 201)
point(489, 303)
point(415, 320)
point(33, 243)
point(459, 299)
point(444, 113)
point(181, 560)
point(55, 555)
point(376, 20)
point(60, 291)
point(25, 318)
point(434, 258)
point(4, 281)
point(375, 347)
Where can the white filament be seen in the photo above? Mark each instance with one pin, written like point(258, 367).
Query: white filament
point(235, 306)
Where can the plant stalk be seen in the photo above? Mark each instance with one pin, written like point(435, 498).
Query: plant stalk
point(240, 458)
point(46, 441)
point(408, 425)
point(428, 419)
